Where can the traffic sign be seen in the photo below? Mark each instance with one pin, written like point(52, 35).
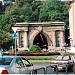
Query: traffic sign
point(15, 35)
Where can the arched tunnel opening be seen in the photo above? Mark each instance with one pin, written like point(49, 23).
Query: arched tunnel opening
point(41, 41)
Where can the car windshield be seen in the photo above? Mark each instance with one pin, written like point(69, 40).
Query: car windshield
point(63, 57)
point(5, 61)
point(59, 58)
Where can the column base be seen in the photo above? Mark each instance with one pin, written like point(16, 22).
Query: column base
point(22, 48)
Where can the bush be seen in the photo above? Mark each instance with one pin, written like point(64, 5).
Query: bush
point(34, 48)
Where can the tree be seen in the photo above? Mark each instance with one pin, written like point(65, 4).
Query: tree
point(54, 10)
point(21, 11)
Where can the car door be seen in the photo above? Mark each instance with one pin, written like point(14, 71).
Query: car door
point(28, 65)
point(22, 67)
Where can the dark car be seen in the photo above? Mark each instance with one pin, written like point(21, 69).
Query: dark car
point(63, 61)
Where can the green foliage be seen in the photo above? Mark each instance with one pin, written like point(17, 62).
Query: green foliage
point(34, 48)
point(19, 3)
point(54, 10)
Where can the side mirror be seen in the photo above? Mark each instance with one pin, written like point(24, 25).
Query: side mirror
point(31, 64)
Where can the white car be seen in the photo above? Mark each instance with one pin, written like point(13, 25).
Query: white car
point(15, 65)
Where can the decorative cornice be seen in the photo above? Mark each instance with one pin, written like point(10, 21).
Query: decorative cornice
point(26, 24)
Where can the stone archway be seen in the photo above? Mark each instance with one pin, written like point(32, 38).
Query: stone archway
point(40, 40)
point(29, 34)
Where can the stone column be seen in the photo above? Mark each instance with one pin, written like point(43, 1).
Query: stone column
point(54, 42)
point(25, 40)
point(61, 38)
point(18, 40)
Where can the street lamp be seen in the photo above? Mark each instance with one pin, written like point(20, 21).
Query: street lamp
point(15, 29)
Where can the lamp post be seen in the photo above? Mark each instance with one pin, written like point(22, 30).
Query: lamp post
point(65, 45)
point(71, 41)
point(15, 29)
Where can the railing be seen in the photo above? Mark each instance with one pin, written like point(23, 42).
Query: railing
point(49, 69)
point(39, 71)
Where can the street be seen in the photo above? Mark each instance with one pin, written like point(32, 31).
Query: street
point(40, 69)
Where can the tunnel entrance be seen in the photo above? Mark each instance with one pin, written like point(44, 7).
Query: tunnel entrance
point(41, 41)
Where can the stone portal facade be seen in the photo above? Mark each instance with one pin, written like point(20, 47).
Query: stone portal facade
point(49, 34)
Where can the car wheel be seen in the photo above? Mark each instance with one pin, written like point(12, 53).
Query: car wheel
point(70, 68)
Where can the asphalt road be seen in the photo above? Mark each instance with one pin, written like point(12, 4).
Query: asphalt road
point(40, 69)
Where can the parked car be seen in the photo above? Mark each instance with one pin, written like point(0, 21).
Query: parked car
point(62, 60)
point(15, 65)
